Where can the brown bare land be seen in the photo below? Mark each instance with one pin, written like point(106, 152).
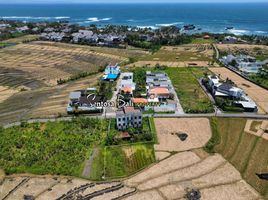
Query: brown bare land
point(258, 94)
point(41, 103)
point(197, 129)
point(6, 92)
point(172, 63)
point(180, 56)
point(48, 63)
point(56, 103)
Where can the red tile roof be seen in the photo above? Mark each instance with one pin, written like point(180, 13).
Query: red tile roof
point(159, 91)
point(139, 100)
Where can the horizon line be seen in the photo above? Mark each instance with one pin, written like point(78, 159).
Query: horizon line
point(197, 2)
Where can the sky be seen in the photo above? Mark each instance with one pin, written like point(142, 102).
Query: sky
point(130, 1)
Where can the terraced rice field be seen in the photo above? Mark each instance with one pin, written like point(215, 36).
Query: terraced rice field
point(123, 53)
point(29, 74)
point(48, 63)
point(56, 103)
point(175, 174)
point(256, 93)
point(246, 151)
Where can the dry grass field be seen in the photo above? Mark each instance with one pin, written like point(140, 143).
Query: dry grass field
point(197, 129)
point(22, 39)
point(29, 74)
point(170, 178)
point(258, 94)
point(56, 103)
point(258, 51)
point(116, 52)
point(48, 63)
point(180, 56)
point(41, 103)
point(246, 151)
point(171, 64)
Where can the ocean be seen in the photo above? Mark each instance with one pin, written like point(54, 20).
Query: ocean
point(251, 18)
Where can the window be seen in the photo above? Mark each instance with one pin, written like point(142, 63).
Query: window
point(119, 119)
point(139, 117)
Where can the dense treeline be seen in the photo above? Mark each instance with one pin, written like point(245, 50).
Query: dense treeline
point(50, 148)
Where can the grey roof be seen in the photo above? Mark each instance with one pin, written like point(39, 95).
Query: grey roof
point(225, 86)
point(75, 95)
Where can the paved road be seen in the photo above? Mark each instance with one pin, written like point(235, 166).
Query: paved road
point(216, 114)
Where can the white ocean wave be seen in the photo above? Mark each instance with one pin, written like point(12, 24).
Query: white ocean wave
point(260, 32)
point(143, 27)
point(238, 31)
point(96, 19)
point(93, 19)
point(171, 24)
point(106, 19)
point(62, 17)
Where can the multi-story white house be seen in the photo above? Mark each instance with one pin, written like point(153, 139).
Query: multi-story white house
point(129, 117)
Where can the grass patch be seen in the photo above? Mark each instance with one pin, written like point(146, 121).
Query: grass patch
point(153, 129)
point(263, 81)
point(192, 97)
point(97, 168)
point(203, 41)
point(215, 139)
point(22, 39)
point(126, 160)
point(121, 161)
point(50, 148)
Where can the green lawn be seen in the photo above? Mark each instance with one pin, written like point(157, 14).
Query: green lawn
point(203, 41)
point(192, 97)
point(50, 148)
point(121, 161)
point(263, 81)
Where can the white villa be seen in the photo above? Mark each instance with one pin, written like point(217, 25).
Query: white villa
point(227, 90)
point(246, 64)
point(127, 85)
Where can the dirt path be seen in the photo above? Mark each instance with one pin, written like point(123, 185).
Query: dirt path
point(87, 168)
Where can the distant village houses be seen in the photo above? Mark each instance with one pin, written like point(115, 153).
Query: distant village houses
point(244, 63)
